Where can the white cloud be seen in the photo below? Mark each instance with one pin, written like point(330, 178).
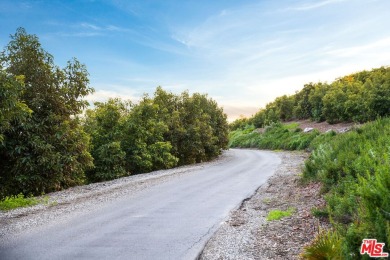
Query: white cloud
point(246, 56)
point(103, 95)
point(372, 47)
point(316, 4)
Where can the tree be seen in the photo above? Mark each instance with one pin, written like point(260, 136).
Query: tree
point(12, 108)
point(284, 107)
point(49, 150)
point(316, 96)
point(104, 124)
point(143, 139)
point(257, 120)
point(239, 123)
point(197, 127)
point(334, 104)
point(380, 94)
point(303, 107)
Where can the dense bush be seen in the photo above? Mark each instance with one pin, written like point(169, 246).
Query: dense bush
point(354, 168)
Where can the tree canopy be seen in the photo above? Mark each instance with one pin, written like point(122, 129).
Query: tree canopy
point(359, 97)
point(47, 149)
point(47, 144)
point(159, 132)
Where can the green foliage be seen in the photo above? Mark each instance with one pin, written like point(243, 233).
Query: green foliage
point(104, 125)
point(327, 246)
point(44, 146)
point(47, 150)
point(197, 127)
point(17, 201)
point(322, 139)
point(353, 167)
point(109, 163)
point(276, 136)
point(239, 124)
point(283, 108)
point(320, 212)
point(143, 139)
point(359, 97)
point(279, 214)
point(157, 133)
point(354, 170)
point(12, 108)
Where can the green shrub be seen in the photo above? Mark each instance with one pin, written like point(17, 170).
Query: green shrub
point(12, 202)
point(320, 212)
point(326, 245)
point(276, 136)
point(279, 214)
point(110, 162)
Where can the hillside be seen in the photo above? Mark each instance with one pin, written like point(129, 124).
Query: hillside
point(360, 97)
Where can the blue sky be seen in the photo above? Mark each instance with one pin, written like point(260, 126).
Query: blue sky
point(243, 53)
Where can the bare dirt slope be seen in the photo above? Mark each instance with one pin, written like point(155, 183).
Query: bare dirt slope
point(324, 126)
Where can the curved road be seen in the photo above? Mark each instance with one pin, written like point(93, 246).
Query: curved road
point(171, 220)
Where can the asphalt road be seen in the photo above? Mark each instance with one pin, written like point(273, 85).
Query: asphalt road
point(171, 220)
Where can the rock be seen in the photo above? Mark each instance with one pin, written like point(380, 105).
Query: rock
point(344, 130)
point(308, 129)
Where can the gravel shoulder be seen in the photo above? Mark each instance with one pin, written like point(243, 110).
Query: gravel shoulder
point(246, 234)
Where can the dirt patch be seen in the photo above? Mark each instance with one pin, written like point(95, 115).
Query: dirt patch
point(324, 126)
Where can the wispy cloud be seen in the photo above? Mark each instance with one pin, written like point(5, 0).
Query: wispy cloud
point(372, 48)
point(79, 34)
point(256, 51)
point(103, 95)
point(85, 29)
point(315, 4)
point(106, 28)
point(243, 53)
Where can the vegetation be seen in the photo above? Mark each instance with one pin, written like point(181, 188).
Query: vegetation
point(279, 214)
point(359, 97)
point(17, 201)
point(326, 245)
point(159, 132)
point(354, 170)
point(353, 167)
point(45, 145)
point(276, 136)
